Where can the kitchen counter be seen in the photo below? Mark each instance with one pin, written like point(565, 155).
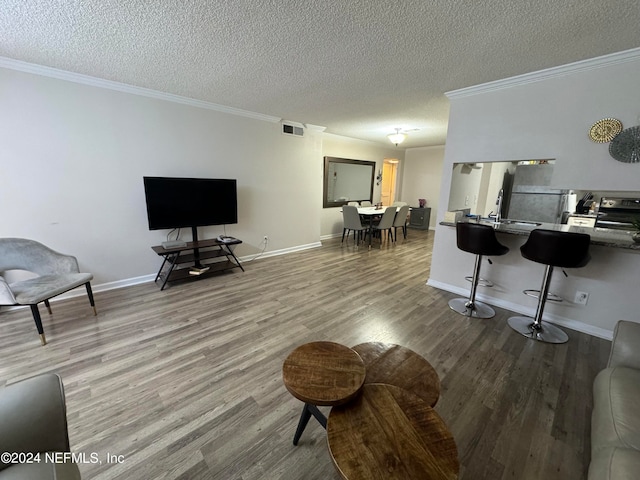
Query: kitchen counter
point(599, 236)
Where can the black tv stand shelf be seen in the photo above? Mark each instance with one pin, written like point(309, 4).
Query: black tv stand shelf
point(178, 262)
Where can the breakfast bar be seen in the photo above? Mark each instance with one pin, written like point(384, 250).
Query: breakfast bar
point(606, 237)
point(594, 297)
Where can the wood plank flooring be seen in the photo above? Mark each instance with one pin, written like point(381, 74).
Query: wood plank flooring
point(187, 384)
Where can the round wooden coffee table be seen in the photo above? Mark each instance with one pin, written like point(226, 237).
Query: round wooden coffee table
point(400, 366)
point(322, 373)
point(390, 433)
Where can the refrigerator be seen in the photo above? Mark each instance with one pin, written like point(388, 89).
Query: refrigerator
point(533, 199)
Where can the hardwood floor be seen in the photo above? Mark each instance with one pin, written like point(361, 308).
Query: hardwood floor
point(187, 384)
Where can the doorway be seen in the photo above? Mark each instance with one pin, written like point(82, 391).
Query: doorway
point(389, 175)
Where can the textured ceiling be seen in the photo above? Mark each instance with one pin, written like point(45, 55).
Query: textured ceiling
point(358, 67)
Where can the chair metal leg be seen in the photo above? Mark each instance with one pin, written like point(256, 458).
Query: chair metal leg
point(36, 318)
point(90, 294)
point(532, 327)
point(471, 307)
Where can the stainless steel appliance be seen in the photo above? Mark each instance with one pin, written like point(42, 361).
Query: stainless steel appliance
point(618, 213)
point(533, 199)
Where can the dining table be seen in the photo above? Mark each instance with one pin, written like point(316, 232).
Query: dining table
point(372, 213)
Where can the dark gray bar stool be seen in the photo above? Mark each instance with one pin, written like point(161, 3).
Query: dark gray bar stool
point(553, 249)
point(480, 240)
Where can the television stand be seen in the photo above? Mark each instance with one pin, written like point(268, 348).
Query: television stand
point(194, 260)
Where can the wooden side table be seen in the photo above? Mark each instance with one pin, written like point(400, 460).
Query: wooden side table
point(400, 366)
point(322, 373)
point(388, 432)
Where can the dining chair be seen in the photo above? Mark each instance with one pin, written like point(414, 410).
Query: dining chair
point(365, 203)
point(386, 223)
point(353, 204)
point(352, 221)
point(400, 221)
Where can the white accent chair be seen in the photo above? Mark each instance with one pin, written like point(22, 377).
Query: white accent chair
point(615, 419)
point(56, 274)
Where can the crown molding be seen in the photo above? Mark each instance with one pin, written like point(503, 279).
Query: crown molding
point(12, 64)
point(570, 68)
point(317, 128)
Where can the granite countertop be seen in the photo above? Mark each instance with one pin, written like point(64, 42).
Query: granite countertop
point(599, 236)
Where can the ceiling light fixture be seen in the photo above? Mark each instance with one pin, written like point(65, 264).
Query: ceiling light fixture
point(397, 137)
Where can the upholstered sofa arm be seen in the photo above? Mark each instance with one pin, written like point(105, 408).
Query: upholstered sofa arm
point(33, 416)
point(625, 348)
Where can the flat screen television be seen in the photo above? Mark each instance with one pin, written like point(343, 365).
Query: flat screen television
point(190, 202)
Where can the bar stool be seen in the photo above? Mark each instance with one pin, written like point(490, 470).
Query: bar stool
point(481, 240)
point(553, 249)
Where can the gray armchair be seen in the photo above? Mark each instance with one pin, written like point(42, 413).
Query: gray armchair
point(33, 420)
point(57, 274)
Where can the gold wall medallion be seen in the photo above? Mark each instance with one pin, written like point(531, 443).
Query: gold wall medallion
point(605, 130)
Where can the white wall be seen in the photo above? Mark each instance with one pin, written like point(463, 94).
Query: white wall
point(549, 118)
point(72, 158)
point(344, 147)
point(465, 187)
point(422, 176)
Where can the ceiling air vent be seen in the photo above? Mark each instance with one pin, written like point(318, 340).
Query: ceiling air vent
point(292, 128)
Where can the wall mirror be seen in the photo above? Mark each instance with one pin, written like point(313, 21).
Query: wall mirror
point(347, 180)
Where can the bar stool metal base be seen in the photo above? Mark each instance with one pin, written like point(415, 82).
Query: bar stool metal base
point(546, 333)
point(551, 297)
point(471, 309)
point(482, 282)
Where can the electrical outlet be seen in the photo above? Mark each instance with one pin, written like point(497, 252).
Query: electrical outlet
point(581, 298)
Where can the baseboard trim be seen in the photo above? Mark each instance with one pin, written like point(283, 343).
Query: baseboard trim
point(130, 282)
point(339, 234)
point(284, 251)
point(530, 312)
point(330, 236)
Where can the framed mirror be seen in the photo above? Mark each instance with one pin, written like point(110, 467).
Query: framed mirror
point(347, 180)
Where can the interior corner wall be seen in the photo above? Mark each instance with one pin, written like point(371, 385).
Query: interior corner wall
point(345, 147)
point(73, 157)
point(422, 176)
point(548, 118)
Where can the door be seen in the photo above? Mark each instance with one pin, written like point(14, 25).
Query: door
point(388, 188)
